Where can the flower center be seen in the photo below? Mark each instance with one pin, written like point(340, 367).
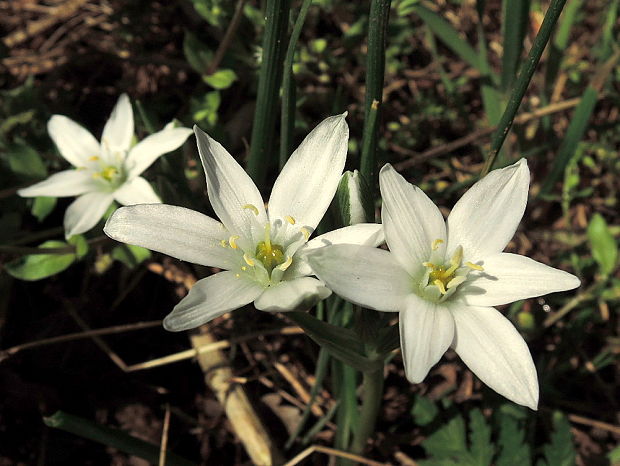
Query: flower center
point(271, 255)
point(109, 173)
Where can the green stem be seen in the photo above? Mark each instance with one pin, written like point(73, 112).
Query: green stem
point(269, 78)
point(523, 81)
point(371, 403)
point(287, 124)
point(375, 66)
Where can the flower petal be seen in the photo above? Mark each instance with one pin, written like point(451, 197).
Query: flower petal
point(364, 234)
point(292, 295)
point(510, 277)
point(485, 219)
point(62, 184)
point(230, 188)
point(209, 298)
point(307, 183)
point(136, 191)
point(143, 154)
point(118, 130)
point(411, 220)
point(366, 276)
point(86, 211)
point(426, 332)
point(74, 142)
point(495, 351)
point(179, 232)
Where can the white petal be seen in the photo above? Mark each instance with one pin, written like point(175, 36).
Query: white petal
point(366, 276)
point(118, 130)
point(307, 183)
point(62, 184)
point(209, 298)
point(143, 154)
point(292, 295)
point(485, 219)
point(364, 234)
point(85, 212)
point(179, 232)
point(230, 188)
point(495, 351)
point(136, 191)
point(510, 277)
point(74, 142)
point(426, 332)
point(411, 220)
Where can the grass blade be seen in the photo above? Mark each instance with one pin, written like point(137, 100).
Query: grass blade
point(515, 15)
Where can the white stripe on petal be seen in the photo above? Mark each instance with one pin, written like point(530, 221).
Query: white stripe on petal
point(510, 277)
point(62, 184)
point(495, 351)
point(143, 154)
point(426, 332)
point(74, 142)
point(136, 191)
point(485, 219)
point(118, 130)
point(209, 298)
point(85, 212)
point(307, 183)
point(230, 189)
point(292, 295)
point(366, 276)
point(179, 232)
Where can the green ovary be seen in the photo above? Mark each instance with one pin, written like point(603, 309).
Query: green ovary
point(271, 255)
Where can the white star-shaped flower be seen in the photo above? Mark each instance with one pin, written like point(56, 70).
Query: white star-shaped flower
point(262, 251)
point(104, 172)
point(444, 277)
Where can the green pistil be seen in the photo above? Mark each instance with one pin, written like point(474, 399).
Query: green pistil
point(271, 255)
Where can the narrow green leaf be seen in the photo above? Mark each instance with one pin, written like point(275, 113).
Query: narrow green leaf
point(111, 437)
point(42, 207)
point(25, 161)
point(515, 17)
point(38, 266)
point(221, 79)
point(603, 244)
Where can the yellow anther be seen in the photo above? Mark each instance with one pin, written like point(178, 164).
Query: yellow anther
point(93, 158)
point(439, 284)
point(305, 232)
point(96, 175)
point(248, 260)
point(285, 265)
point(290, 219)
point(244, 268)
point(457, 257)
point(436, 244)
point(223, 243)
point(109, 172)
point(251, 207)
point(430, 265)
point(237, 275)
point(474, 266)
point(233, 241)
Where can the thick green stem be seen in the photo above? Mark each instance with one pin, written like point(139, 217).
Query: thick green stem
point(375, 65)
point(288, 88)
point(269, 78)
point(523, 81)
point(371, 403)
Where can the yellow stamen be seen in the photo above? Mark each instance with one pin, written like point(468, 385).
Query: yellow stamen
point(290, 219)
point(96, 175)
point(232, 241)
point(237, 275)
point(94, 158)
point(474, 266)
point(244, 268)
point(428, 264)
point(439, 284)
point(285, 265)
point(251, 207)
point(248, 260)
point(305, 232)
point(223, 243)
point(436, 244)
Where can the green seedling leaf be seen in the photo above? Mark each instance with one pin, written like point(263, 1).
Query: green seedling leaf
point(424, 411)
point(25, 161)
point(38, 266)
point(448, 444)
point(560, 451)
point(130, 255)
point(603, 244)
point(197, 53)
point(511, 442)
point(481, 448)
point(341, 343)
point(81, 245)
point(221, 79)
point(42, 207)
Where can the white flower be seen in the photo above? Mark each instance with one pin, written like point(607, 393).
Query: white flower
point(262, 252)
point(443, 278)
point(104, 172)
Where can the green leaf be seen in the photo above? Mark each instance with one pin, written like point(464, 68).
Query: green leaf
point(603, 244)
point(424, 411)
point(511, 442)
point(448, 444)
point(130, 255)
point(560, 451)
point(42, 207)
point(221, 79)
point(514, 24)
point(197, 53)
point(205, 109)
point(38, 266)
point(25, 161)
point(341, 343)
point(481, 448)
point(81, 245)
